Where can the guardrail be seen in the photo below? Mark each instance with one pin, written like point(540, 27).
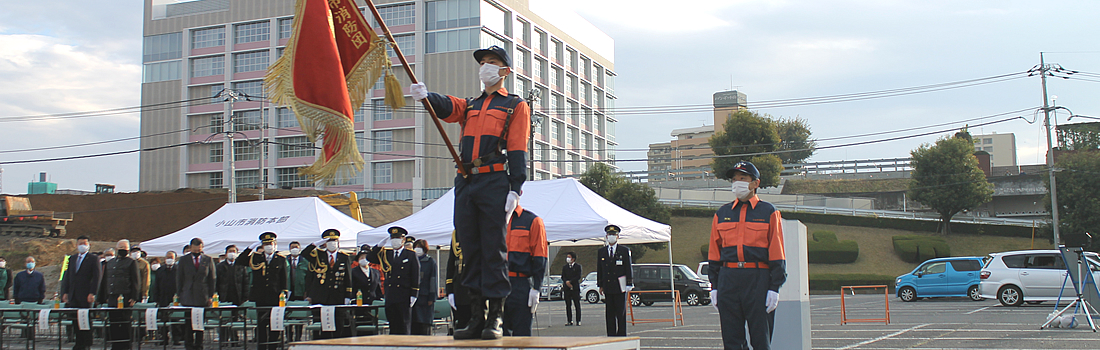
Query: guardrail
point(859, 212)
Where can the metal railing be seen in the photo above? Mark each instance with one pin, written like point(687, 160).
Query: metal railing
point(859, 212)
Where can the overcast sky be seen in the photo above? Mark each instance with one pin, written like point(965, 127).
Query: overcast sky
point(86, 56)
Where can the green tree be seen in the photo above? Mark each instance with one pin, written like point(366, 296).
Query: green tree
point(746, 133)
point(946, 178)
point(600, 178)
point(637, 198)
point(1078, 193)
point(795, 135)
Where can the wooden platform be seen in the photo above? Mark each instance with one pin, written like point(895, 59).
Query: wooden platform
point(418, 342)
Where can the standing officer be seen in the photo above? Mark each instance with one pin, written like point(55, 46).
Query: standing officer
point(331, 271)
point(747, 264)
point(615, 279)
point(457, 294)
point(571, 287)
point(268, 281)
point(232, 286)
point(527, 255)
point(423, 310)
point(402, 270)
point(120, 279)
point(196, 282)
point(79, 285)
point(495, 130)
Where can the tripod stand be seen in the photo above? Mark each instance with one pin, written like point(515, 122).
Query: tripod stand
point(1084, 277)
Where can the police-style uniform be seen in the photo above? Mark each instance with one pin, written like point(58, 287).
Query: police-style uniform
point(331, 281)
point(746, 260)
point(527, 256)
point(402, 270)
point(613, 262)
point(268, 281)
point(493, 147)
point(453, 286)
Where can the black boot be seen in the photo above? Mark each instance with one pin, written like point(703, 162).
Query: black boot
point(492, 320)
point(477, 320)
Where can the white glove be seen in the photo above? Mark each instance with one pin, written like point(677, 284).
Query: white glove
point(451, 300)
point(412, 301)
point(347, 301)
point(255, 245)
point(628, 289)
point(418, 91)
point(533, 300)
point(319, 243)
point(714, 298)
point(772, 301)
point(513, 200)
point(383, 241)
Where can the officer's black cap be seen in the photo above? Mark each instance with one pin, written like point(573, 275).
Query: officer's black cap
point(267, 237)
point(496, 50)
point(744, 167)
point(331, 234)
point(398, 232)
point(612, 230)
point(410, 239)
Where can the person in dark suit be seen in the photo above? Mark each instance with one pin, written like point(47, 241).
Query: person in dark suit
point(165, 291)
point(613, 274)
point(268, 281)
point(402, 270)
point(423, 311)
point(296, 275)
point(196, 281)
point(120, 283)
point(232, 286)
point(571, 287)
point(364, 279)
point(332, 279)
point(457, 294)
point(79, 285)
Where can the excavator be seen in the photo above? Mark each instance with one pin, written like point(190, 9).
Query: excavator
point(352, 201)
point(17, 218)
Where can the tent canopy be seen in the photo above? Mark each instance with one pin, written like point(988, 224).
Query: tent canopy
point(292, 219)
point(572, 214)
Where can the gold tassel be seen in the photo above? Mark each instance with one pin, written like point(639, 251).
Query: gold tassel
point(395, 96)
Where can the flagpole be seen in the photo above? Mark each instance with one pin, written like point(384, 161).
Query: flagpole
point(412, 77)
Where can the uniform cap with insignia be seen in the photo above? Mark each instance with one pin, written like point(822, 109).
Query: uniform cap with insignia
point(267, 237)
point(612, 230)
point(410, 239)
point(398, 232)
point(331, 234)
point(744, 167)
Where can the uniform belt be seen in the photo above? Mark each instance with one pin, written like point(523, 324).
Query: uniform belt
point(484, 169)
point(517, 274)
point(747, 265)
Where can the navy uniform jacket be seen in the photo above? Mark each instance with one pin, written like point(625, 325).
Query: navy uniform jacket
point(330, 285)
point(403, 277)
point(455, 274)
point(268, 279)
point(232, 281)
point(80, 281)
point(609, 268)
point(367, 283)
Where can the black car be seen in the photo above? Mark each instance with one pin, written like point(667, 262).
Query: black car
point(694, 290)
point(551, 288)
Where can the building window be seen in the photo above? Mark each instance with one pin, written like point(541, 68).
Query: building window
point(452, 40)
point(207, 66)
point(209, 37)
point(523, 86)
point(361, 141)
point(380, 110)
point(519, 59)
point(217, 123)
point(251, 32)
point(250, 61)
point(521, 30)
point(987, 141)
point(251, 88)
point(571, 138)
point(162, 47)
point(447, 14)
point(217, 152)
point(161, 71)
point(574, 113)
point(247, 120)
point(609, 81)
point(555, 79)
point(489, 39)
point(202, 91)
point(397, 15)
point(285, 118)
point(284, 27)
point(569, 84)
point(554, 98)
point(383, 173)
point(559, 52)
point(244, 150)
point(289, 178)
point(248, 178)
point(570, 60)
point(346, 178)
point(493, 18)
point(383, 141)
point(540, 42)
point(536, 70)
point(293, 147)
point(555, 136)
point(407, 44)
point(216, 180)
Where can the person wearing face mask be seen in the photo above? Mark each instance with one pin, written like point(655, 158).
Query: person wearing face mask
point(571, 287)
point(165, 290)
point(79, 285)
point(330, 270)
point(232, 286)
point(746, 262)
point(527, 256)
point(143, 272)
point(107, 255)
point(120, 280)
point(615, 279)
point(5, 279)
point(196, 281)
point(29, 286)
point(423, 311)
point(365, 279)
point(402, 284)
point(297, 273)
point(496, 128)
point(269, 279)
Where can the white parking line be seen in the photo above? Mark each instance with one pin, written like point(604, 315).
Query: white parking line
point(865, 342)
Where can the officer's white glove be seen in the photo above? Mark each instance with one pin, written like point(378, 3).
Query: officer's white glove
point(512, 202)
point(382, 242)
point(772, 301)
point(419, 91)
point(319, 243)
point(533, 300)
point(347, 301)
point(412, 300)
point(255, 245)
point(451, 300)
point(714, 298)
point(628, 289)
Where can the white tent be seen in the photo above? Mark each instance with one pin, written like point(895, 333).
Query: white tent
point(573, 215)
point(292, 219)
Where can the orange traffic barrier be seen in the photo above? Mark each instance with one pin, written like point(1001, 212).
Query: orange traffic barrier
point(677, 308)
point(844, 311)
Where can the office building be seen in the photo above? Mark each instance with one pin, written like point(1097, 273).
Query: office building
point(686, 157)
point(1001, 148)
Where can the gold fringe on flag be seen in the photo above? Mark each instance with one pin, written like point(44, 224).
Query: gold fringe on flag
point(361, 78)
point(395, 96)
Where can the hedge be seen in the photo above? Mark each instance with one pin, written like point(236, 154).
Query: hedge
point(877, 222)
point(915, 249)
point(830, 281)
point(824, 248)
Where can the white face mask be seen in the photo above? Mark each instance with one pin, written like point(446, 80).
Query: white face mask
point(155, 267)
point(332, 246)
point(3, 264)
point(269, 249)
point(295, 251)
point(83, 248)
point(108, 258)
point(741, 189)
point(231, 256)
point(612, 239)
point(363, 263)
point(569, 260)
point(170, 262)
point(489, 74)
point(396, 243)
point(419, 251)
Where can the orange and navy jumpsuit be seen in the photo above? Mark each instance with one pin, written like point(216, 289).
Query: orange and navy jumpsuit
point(479, 215)
point(746, 260)
point(527, 258)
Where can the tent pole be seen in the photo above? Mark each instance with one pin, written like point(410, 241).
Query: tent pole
point(671, 280)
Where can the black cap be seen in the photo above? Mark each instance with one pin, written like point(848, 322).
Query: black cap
point(496, 50)
point(267, 237)
point(612, 230)
point(410, 239)
point(398, 232)
point(744, 167)
point(331, 234)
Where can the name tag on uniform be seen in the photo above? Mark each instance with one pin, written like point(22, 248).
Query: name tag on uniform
point(405, 261)
point(618, 262)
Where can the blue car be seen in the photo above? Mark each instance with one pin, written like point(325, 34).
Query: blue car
point(942, 277)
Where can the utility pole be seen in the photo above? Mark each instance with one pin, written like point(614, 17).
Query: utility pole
point(536, 122)
point(229, 96)
point(1050, 151)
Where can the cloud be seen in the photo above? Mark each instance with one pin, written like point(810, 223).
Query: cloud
point(655, 16)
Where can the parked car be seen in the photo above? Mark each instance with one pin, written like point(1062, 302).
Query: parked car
point(1032, 276)
point(551, 288)
point(703, 269)
point(589, 290)
point(694, 290)
point(942, 277)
